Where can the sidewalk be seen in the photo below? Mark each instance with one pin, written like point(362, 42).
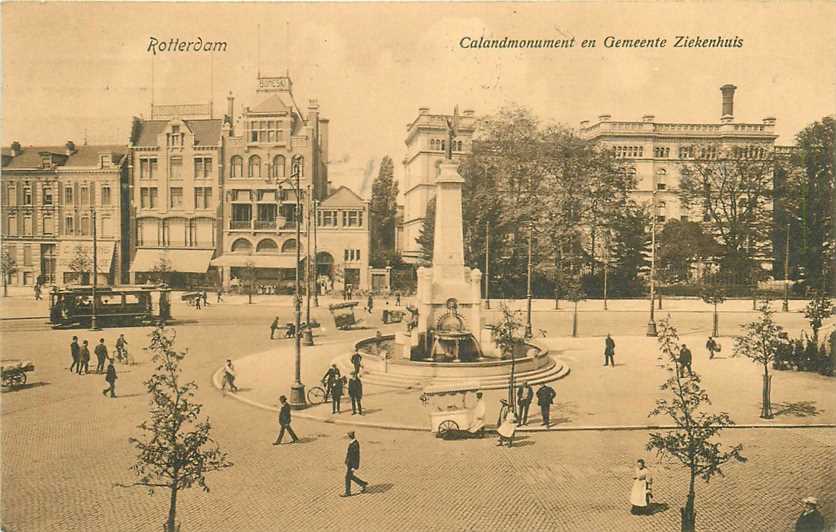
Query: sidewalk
point(591, 396)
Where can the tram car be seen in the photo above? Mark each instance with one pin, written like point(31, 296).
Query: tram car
point(114, 306)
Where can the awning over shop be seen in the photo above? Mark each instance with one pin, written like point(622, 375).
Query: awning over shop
point(78, 256)
point(258, 261)
point(180, 260)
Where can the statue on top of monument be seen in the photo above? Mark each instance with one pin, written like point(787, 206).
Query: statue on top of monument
point(452, 124)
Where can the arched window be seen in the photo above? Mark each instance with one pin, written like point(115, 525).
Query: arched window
point(661, 172)
point(254, 166)
point(268, 245)
point(237, 166)
point(459, 146)
point(299, 163)
point(289, 245)
point(278, 166)
point(242, 245)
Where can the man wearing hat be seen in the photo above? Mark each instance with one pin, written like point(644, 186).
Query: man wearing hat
point(352, 463)
point(810, 519)
point(545, 398)
point(524, 396)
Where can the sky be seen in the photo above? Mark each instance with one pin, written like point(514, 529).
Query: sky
point(71, 68)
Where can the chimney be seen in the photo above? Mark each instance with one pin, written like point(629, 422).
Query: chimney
point(16, 149)
point(230, 107)
point(70, 145)
point(423, 110)
point(728, 101)
point(648, 118)
point(584, 123)
point(604, 118)
point(468, 113)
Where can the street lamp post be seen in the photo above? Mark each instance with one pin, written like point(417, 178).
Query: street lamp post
point(487, 263)
point(308, 333)
point(316, 254)
point(528, 333)
point(786, 306)
point(651, 324)
point(93, 324)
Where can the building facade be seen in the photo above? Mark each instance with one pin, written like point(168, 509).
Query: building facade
point(176, 174)
point(656, 152)
point(342, 241)
point(426, 144)
point(53, 197)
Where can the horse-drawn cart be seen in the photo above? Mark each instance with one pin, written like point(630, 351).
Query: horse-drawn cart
point(343, 314)
point(14, 374)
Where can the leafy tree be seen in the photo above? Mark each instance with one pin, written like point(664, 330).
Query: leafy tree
point(575, 294)
point(714, 295)
point(249, 278)
point(382, 212)
point(506, 336)
point(8, 267)
point(176, 450)
point(817, 310)
point(760, 342)
point(630, 250)
point(733, 185)
point(426, 238)
point(681, 244)
point(81, 264)
point(162, 270)
point(692, 442)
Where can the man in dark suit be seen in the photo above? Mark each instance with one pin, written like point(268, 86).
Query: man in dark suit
point(355, 391)
point(101, 355)
point(337, 394)
point(85, 359)
point(609, 350)
point(110, 378)
point(352, 463)
point(75, 352)
point(331, 376)
point(284, 422)
point(356, 360)
point(545, 398)
point(273, 327)
point(685, 360)
point(524, 396)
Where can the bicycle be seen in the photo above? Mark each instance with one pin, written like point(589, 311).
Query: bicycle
point(123, 356)
point(316, 395)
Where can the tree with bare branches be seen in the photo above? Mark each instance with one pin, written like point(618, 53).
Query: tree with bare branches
point(760, 342)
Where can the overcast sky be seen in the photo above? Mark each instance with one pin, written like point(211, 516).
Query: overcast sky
point(70, 67)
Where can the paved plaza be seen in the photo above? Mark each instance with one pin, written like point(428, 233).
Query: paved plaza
point(64, 446)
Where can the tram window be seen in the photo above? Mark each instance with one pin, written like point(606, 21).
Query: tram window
point(131, 299)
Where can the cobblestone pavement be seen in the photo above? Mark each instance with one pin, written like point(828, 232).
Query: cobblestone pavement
point(64, 446)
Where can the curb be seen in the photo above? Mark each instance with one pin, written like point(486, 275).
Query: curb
point(579, 428)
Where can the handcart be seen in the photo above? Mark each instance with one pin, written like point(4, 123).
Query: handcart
point(343, 314)
point(451, 409)
point(14, 374)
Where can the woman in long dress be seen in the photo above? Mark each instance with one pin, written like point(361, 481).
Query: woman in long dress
point(478, 425)
point(641, 493)
point(506, 425)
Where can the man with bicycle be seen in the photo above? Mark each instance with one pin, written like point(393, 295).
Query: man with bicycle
point(121, 350)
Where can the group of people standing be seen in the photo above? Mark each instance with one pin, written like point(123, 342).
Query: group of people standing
point(336, 384)
point(81, 360)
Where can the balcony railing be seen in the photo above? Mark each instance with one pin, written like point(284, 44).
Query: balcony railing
point(265, 224)
point(240, 224)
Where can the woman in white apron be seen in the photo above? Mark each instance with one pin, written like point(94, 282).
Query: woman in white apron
point(506, 425)
point(641, 494)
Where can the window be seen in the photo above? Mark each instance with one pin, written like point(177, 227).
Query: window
point(85, 195)
point(237, 166)
point(175, 197)
point(106, 226)
point(148, 168)
point(352, 218)
point(85, 225)
point(289, 245)
point(148, 198)
point(68, 225)
point(684, 218)
point(265, 131)
point(27, 195)
point(686, 152)
point(49, 226)
point(68, 195)
point(105, 194)
point(11, 194)
point(27, 254)
point(202, 197)
point(175, 138)
point(254, 166)
point(662, 204)
point(278, 169)
point(202, 167)
point(662, 152)
point(327, 218)
point(12, 225)
point(27, 224)
point(297, 165)
point(47, 195)
point(175, 168)
point(105, 160)
point(351, 254)
point(660, 218)
point(661, 186)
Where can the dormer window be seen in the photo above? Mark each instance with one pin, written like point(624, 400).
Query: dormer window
point(104, 160)
point(175, 138)
point(46, 161)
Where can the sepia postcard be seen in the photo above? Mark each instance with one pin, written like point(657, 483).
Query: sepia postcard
point(418, 266)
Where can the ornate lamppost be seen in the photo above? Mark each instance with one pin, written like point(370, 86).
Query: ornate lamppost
point(651, 324)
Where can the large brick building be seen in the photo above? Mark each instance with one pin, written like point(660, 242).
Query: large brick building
point(51, 196)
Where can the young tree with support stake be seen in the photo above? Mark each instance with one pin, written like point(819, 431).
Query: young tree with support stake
point(505, 335)
point(575, 294)
point(8, 267)
point(817, 310)
point(714, 295)
point(177, 450)
point(760, 342)
point(691, 443)
point(249, 277)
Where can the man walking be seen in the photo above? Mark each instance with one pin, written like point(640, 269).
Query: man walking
point(356, 359)
point(75, 352)
point(712, 347)
point(273, 327)
point(398, 299)
point(85, 359)
point(524, 396)
point(685, 361)
point(352, 463)
point(545, 398)
point(355, 391)
point(609, 350)
point(110, 378)
point(336, 394)
point(284, 422)
point(101, 355)
point(121, 351)
point(370, 304)
point(229, 377)
point(331, 376)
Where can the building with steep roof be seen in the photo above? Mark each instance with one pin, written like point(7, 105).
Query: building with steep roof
point(426, 142)
point(176, 175)
point(52, 195)
point(342, 240)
